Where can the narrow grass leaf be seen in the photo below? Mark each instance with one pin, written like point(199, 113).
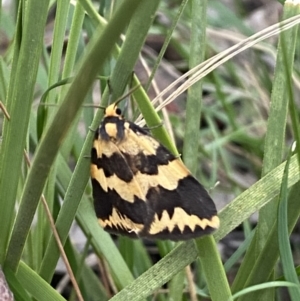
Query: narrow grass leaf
point(176, 286)
point(211, 263)
point(266, 261)
point(239, 252)
point(16, 287)
point(158, 274)
point(166, 43)
point(103, 244)
point(35, 285)
point(208, 254)
point(283, 237)
point(27, 51)
point(263, 286)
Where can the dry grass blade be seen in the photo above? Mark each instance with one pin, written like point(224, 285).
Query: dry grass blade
point(211, 64)
point(59, 244)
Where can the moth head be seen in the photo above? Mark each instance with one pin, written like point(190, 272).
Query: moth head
point(113, 110)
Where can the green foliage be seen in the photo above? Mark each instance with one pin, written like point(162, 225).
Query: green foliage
point(245, 109)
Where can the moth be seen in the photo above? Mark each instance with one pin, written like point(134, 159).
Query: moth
point(141, 189)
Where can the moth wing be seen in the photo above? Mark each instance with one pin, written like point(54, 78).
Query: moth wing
point(178, 207)
point(118, 199)
point(141, 189)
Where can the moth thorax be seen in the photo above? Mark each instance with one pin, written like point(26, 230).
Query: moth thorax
point(112, 131)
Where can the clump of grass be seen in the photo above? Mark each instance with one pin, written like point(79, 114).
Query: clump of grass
point(240, 94)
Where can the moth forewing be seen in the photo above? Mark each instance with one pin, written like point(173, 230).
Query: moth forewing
point(140, 189)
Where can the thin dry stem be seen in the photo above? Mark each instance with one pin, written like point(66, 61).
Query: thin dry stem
point(57, 238)
point(4, 110)
point(211, 64)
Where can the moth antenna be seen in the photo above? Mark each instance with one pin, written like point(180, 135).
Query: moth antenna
point(94, 106)
point(127, 94)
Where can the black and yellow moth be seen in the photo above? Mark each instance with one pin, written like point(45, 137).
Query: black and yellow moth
point(140, 189)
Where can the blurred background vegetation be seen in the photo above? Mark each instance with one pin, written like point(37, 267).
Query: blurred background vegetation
point(233, 118)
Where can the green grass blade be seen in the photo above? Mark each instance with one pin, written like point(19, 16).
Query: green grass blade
point(35, 285)
point(152, 119)
point(263, 286)
point(57, 48)
point(283, 238)
point(67, 212)
point(103, 244)
point(135, 37)
point(4, 75)
point(194, 100)
point(266, 261)
point(238, 253)
point(74, 49)
point(213, 269)
point(210, 259)
point(176, 286)
point(166, 43)
point(27, 52)
point(16, 287)
point(158, 274)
